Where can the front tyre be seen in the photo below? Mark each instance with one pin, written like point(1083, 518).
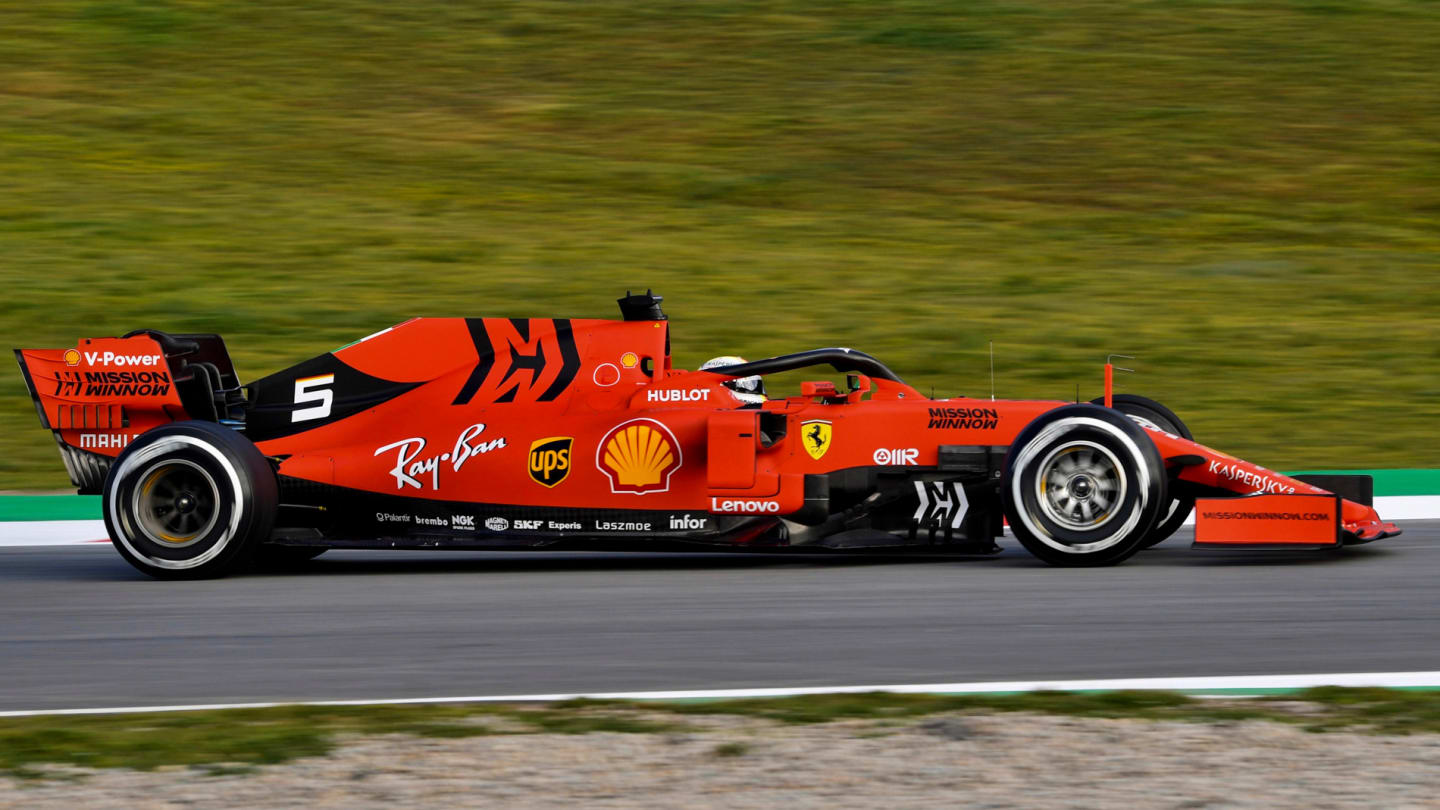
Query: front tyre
point(189, 500)
point(1083, 486)
point(1150, 413)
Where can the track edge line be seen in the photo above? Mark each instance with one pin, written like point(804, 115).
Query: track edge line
point(1207, 687)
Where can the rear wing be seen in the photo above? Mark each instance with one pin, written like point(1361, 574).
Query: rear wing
point(101, 394)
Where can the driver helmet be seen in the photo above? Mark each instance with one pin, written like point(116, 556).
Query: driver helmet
point(749, 390)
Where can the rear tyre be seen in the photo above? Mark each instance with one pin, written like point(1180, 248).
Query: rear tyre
point(1150, 413)
point(1083, 486)
point(189, 500)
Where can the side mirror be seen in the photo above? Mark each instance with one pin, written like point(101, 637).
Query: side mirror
point(859, 386)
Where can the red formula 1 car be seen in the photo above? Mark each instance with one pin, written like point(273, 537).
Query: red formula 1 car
point(527, 433)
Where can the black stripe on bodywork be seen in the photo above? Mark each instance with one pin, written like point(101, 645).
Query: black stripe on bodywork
point(273, 397)
point(569, 360)
point(536, 363)
point(486, 354)
point(30, 386)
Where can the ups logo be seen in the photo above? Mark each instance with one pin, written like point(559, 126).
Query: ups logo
point(550, 460)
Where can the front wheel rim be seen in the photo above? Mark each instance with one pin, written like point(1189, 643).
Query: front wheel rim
point(1080, 486)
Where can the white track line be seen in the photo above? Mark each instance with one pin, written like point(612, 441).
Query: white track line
point(1237, 684)
point(17, 533)
point(1408, 507)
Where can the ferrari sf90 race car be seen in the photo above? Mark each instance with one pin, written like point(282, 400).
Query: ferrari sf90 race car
point(558, 433)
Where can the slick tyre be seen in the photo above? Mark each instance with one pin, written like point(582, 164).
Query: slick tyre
point(1083, 486)
point(189, 500)
point(1151, 413)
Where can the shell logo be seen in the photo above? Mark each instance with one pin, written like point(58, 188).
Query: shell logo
point(639, 456)
point(72, 357)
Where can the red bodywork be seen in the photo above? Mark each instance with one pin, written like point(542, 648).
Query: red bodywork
point(1311, 521)
point(579, 414)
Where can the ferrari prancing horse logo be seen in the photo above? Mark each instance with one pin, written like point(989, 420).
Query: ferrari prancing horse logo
point(815, 435)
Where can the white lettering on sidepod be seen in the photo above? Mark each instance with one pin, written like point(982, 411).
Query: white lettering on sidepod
point(896, 456)
point(409, 467)
point(678, 395)
point(744, 507)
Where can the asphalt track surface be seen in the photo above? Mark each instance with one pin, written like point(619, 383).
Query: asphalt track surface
point(80, 628)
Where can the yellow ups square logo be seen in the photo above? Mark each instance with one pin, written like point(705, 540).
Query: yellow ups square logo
point(550, 459)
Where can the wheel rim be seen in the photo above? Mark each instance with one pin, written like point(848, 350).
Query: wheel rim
point(176, 504)
point(1080, 486)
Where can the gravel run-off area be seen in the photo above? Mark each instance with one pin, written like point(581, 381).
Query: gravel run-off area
point(991, 761)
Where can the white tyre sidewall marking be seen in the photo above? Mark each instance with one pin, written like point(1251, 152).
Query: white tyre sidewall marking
point(1053, 431)
point(1146, 423)
point(140, 458)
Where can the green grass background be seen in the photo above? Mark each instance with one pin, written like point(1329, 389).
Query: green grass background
point(1246, 195)
point(232, 741)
